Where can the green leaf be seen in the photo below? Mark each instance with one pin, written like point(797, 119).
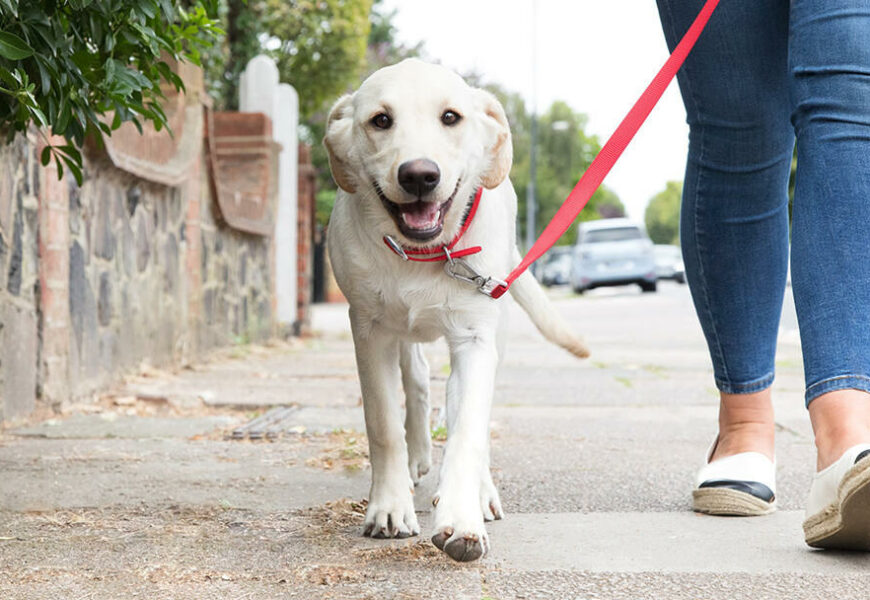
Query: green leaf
point(13, 47)
point(39, 115)
point(149, 9)
point(63, 118)
point(46, 156)
point(7, 78)
point(75, 167)
point(47, 35)
point(10, 6)
point(109, 67)
point(44, 78)
point(71, 151)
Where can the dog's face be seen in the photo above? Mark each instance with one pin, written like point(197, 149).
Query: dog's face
point(413, 144)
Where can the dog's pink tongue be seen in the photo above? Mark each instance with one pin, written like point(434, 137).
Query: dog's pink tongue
point(420, 215)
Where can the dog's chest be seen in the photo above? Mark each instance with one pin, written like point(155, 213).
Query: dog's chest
point(420, 310)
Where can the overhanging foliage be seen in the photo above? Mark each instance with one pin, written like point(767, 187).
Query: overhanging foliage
point(65, 64)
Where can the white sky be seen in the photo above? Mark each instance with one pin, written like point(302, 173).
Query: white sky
point(596, 55)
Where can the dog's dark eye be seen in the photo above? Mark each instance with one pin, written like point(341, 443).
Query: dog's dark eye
point(382, 121)
point(450, 117)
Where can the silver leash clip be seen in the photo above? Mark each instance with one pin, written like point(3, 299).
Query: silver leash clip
point(396, 247)
point(461, 270)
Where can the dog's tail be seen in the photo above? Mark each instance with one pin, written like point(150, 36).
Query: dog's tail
point(531, 297)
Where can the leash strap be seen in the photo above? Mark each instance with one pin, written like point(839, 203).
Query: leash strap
point(611, 151)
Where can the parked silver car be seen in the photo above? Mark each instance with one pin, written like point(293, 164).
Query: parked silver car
point(557, 266)
point(669, 263)
point(612, 252)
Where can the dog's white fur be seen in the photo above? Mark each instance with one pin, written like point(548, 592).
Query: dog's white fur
point(397, 305)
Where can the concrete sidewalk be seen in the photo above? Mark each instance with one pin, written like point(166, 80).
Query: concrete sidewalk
point(145, 495)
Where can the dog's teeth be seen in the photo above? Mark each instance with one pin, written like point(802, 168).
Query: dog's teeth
point(417, 224)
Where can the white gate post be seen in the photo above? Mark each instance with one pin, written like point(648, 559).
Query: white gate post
point(284, 125)
point(259, 91)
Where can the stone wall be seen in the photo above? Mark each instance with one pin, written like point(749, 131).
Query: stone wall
point(130, 286)
point(238, 281)
point(97, 279)
point(133, 296)
point(19, 278)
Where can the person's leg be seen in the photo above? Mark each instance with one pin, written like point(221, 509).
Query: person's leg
point(745, 424)
point(734, 220)
point(829, 63)
point(841, 419)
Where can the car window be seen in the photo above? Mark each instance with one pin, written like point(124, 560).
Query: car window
point(617, 234)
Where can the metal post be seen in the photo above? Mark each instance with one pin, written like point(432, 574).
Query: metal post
point(531, 200)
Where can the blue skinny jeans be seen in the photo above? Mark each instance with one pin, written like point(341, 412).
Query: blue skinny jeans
point(764, 75)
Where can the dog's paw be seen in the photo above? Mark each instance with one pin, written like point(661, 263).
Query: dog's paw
point(390, 514)
point(460, 534)
point(419, 463)
point(463, 547)
point(490, 503)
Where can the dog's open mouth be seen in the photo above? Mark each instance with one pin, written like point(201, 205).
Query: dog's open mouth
point(419, 220)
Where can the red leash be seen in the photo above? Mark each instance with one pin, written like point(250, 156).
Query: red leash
point(610, 153)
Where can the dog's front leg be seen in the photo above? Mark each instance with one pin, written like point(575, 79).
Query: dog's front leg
point(459, 520)
point(415, 381)
point(390, 511)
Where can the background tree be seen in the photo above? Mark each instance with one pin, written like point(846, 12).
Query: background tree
point(662, 215)
point(382, 49)
point(66, 64)
point(244, 24)
point(321, 46)
point(565, 151)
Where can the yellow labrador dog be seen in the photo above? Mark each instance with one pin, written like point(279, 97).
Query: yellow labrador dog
point(422, 161)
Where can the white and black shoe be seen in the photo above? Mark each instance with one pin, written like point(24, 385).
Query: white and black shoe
point(741, 485)
point(838, 508)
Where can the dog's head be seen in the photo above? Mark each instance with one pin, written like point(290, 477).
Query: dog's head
point(414, 143)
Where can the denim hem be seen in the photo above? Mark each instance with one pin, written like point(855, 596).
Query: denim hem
point(756, 385)
point(840, 382)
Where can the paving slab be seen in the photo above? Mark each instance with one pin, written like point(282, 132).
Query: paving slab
point(581, 585)
point(49, 475)
point(621, 458)
point(665, 542)
point(112, 425)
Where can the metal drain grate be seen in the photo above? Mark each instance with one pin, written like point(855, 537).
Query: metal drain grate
point(269, 425)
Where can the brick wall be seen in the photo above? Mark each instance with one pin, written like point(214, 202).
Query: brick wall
point(305, 239)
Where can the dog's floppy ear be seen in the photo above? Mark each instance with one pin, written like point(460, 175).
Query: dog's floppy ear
point(499, 146)
point(337, 141)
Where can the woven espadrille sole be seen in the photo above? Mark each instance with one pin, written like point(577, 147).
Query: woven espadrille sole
point(844, 524)
point(728, 502)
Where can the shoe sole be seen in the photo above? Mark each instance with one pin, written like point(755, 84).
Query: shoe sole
point(845, 524)
point(728, 502)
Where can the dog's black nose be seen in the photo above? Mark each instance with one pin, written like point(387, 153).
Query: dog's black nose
point(419, 176)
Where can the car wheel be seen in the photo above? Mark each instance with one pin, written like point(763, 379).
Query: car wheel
point(648, 286)
point(579, 290)
point(681, 278)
